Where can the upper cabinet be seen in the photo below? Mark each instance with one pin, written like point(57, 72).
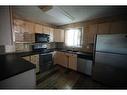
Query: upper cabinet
point(46, 30)
point(118, 27)
point(38, 28)
point(107, 27)
point(5, 26)
point(103, 28)
point(23, 31)
point(90, 34)
point(29, 27)
point(51, 31)
point(59, 35)
point(18, 25)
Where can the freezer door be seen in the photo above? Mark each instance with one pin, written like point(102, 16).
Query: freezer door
point(110, 69)
point(113, 43)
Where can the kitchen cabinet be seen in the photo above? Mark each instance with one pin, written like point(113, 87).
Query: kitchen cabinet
point(60, 58)
point(38, 28)
point(49, 31)
point(6, 37)
point(90, 34)
point(67, 60)
point(23, 31)
point(46, 30)
point(19, 25)
point(24, 37)
point(51, 38)
point(118, 27)
point(59, 35)
point(23, 26)
point(72, 61)
point(28, 27)
point(33, 59)
point(28, 37)
point(18, 30)
point(18, 36)
point(27, 58)
point(104, 28)
point(111, 27)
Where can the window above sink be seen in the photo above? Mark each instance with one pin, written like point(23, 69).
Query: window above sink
point(73, 37)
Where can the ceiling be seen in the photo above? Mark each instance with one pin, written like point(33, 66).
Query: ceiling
point(61, 15)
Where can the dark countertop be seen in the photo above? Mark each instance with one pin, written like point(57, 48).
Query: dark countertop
point(80, 54)
point(12, 65)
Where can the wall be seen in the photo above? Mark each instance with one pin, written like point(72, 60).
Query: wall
point(106, 25)
point(5, 26)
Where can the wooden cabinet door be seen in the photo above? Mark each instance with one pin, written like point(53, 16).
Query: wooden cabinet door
point(60, 58)
point(38, 28)
point(90, 34)
point(59, 35)
point(63, 59)
point(29, 27)
point(35, 60)
point(19, 25)
point(118, 27)
point(56, 35)
point(73, 62)
point(27, 58)
point(56, 57)
point(104, 28)
point(51, 37)
point(46, 30)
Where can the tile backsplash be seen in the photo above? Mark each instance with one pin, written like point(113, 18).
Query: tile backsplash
point(2, 49)
point(22, 47)
point(28, 46)
point(9, 48)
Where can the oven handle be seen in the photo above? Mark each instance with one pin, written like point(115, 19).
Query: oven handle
point(46, 53)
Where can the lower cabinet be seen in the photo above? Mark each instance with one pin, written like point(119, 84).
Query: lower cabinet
point(33, 59)
point(60, 58)
point(73, 61)
point(67, 60)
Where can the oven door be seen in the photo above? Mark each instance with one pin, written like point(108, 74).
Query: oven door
point(45, 61)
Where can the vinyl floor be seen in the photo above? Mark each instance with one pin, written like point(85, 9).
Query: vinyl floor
point(61, 78)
